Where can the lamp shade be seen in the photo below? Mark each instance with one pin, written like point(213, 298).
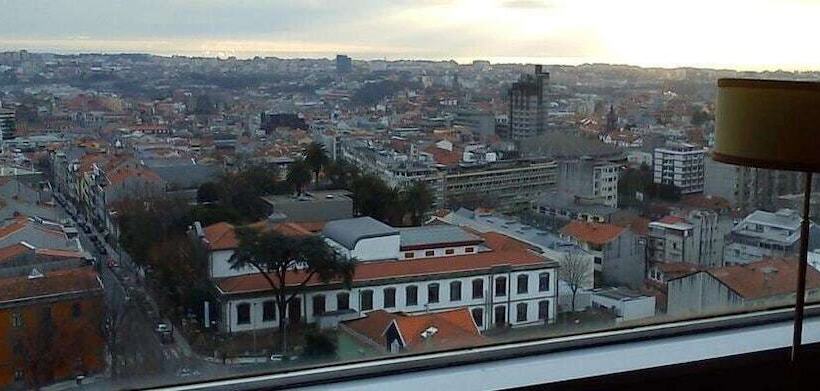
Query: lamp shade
point(768, 124)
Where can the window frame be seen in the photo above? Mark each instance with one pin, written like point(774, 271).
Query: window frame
point(480, 290)
point(518, 314)
point(369, 294)
point(503, 291)
point(239, 320)
point(415, 295)
point(339, 301)
point(544, 277)
point(266, 312)
point(522, 288)
point(433, 287)
point(314, 305)
point(392, 296)
point(455, 287)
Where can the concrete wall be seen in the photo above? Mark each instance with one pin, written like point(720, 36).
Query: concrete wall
point(699, 293)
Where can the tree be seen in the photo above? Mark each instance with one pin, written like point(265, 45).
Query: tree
point(418, 200)
point(288, 264)
point(298, 176)
point(341, 174)
point(574, 270)
point(207, 192)
point(320, 345)
point(372, 197)
point(316, 158)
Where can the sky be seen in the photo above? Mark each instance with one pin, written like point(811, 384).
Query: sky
point(739, 34)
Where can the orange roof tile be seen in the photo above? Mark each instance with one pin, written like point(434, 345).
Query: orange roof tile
point(19, 222)
point(595, 233)
point(504, 251)
point(769, 277)
point(220, 236)
point(15, 250)
point(670, 219)
point(454, 328)
point(56, 282)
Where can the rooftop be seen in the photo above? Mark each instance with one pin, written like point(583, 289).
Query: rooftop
point(58, 282)
point(504, 251)
point(431, 235)
point(348, 232)
point(595, 233)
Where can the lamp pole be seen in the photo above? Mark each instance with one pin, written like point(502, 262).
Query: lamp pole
point(800, 298)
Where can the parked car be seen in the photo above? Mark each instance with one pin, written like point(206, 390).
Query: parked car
point(112, 262)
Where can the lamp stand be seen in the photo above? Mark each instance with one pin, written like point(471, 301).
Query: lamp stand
point(800, 298)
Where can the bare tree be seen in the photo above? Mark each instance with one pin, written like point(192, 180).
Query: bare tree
point(574, 270)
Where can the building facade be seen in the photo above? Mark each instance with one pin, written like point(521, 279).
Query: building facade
point(764, 234)
point(680, 165)
point(528, 106)
point(423, 269)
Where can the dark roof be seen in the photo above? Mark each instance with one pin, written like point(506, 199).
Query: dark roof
point(348, 232)
point(435, 235)
point(58, 282)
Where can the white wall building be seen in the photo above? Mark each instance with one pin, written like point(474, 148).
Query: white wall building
point(764, 234)
point(681, 165)
point(502, 281)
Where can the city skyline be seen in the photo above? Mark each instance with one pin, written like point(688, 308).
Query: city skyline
point(636, 32)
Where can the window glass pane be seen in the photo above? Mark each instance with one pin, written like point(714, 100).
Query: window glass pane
point(268, 311)
point(342, 301)
point(367, 300)
point(478, 289)
point(412, 295)
point(432, 293)
point(455, 291)
point(389, 297)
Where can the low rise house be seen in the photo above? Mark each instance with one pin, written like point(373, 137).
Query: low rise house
point(758, 284)
point(764, 234)
point(618, 254)
point(400, 332)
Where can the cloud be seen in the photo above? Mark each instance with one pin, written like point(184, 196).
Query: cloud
point(528, 4)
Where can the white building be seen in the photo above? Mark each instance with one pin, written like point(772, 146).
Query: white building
point(625, 304)
point(501, 281)
point(764, 234)
point(681, 165)
point(697, 238)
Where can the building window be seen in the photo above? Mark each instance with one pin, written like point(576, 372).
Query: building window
point(389, 297)
point(455, 291)
point(429, 253)
point(319, 304)
point(469, 250)
point(16, 319)
point(432, 293)
point(268, 311)
point(501, 286)
point(18, 375)
point(543, 310)
point(598, 260)
point(409, 254)
point(243, 313)
point(523, 283)
point(76, 310)
point(543, 282)
point(478, 288)
point(500, 316)
point(521, 312)
point(411, 293)
point(342, 301)
point(367, 300)
point(449, 251)
point(478, 316)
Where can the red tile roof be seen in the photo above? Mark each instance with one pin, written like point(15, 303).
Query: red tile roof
point(120, 174)
point(670, 219)
point(222, 235)
point(15, 250)
point(443, 156)
point(18, 223)
point(56, 282)
point(769, 277)
point(504, 251)
point(595, 233)
point(454, 328)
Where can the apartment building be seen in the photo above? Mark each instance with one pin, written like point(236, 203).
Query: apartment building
point(680, 165)
point(501, 281)
point(696, 238)
point(764, 234)
point(594, 181)
point(528, 106)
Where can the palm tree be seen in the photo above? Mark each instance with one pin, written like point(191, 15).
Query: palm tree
point(288, 264)
point(298, 175)
point(316, 158)
point(417, 199)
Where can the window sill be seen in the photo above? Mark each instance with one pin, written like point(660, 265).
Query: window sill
point(551, 361)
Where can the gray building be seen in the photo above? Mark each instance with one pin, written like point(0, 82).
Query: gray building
point(528, 105)
point(680, 165)
point(311, 206)
point(764, 234)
